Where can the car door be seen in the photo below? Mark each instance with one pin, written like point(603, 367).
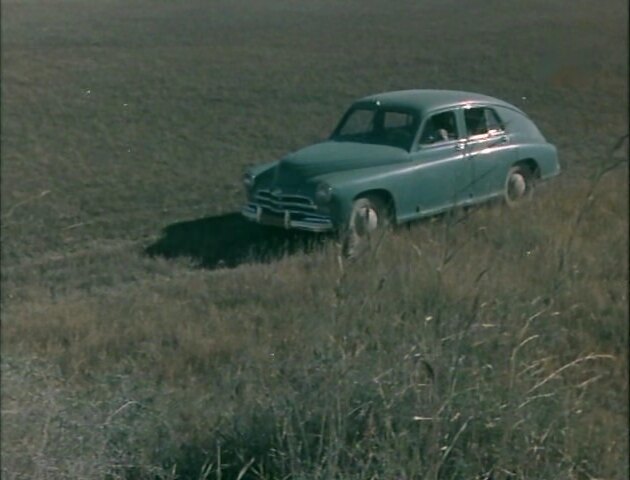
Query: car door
point(488, 151)
point(441, 176)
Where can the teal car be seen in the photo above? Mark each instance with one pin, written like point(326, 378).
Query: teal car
point(398, 156)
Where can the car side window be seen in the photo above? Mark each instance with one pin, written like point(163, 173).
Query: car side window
point(441, 127)
point(494, 122)
point(482, 121)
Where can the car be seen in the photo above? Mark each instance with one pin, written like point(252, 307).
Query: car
point(398, 156)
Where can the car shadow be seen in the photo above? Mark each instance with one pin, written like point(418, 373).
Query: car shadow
point(229, 240)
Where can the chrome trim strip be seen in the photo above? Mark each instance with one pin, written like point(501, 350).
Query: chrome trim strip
point(312, 223)
point(282, 210)
point(283, 195)
point(285, 201)
point(285, 204)
point(247, 212)
point(311, 227)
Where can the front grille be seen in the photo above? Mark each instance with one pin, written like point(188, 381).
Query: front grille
point(282, 202)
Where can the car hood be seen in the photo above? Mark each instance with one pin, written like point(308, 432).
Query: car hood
point(333, 156)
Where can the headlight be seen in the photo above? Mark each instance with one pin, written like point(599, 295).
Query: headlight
point(323, 193)
point(248, 180)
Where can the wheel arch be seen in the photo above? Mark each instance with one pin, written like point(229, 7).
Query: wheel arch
point(385, 196)
point(530, 164)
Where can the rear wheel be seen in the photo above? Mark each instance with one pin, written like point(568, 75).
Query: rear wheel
point(370, 215)
point(519, 185)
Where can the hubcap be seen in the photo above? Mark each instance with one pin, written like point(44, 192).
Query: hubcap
point(365, 221)
point(517, 186)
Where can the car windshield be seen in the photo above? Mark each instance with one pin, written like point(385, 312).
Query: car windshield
point(395, 128)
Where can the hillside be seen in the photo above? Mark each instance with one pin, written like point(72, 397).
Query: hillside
point(149, 332)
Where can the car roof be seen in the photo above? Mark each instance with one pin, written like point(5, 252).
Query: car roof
point(427, 100)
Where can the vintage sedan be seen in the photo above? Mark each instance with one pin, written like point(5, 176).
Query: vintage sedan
point(398, 156)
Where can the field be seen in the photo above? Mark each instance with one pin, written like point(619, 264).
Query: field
point(148, 332)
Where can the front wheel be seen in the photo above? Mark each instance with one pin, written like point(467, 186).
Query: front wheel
point(368, 218)
point(519, 185)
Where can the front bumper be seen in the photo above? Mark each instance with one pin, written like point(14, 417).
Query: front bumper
point(288, 219)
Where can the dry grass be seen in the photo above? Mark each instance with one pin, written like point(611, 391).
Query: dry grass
point(486, 344)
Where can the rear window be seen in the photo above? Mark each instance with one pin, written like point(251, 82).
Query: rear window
point(482, 121)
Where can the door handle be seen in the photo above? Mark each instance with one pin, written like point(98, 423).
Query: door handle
point(459, 146)
point(504, 139)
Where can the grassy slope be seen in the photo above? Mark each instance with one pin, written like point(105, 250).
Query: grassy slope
point(495, 343)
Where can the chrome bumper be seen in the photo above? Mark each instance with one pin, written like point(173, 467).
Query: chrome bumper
point(287, 219)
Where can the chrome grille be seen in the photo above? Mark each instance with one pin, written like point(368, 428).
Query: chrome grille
point(282, 202)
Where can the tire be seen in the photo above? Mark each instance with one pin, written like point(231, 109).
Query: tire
point(519, 185)
point(369, 217)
